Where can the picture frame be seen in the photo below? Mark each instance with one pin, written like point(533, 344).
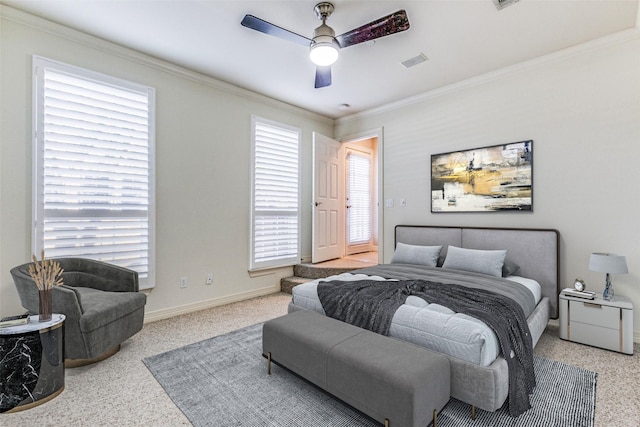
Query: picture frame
point(495, 178)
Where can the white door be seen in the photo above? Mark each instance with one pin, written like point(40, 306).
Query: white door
point(328, 199)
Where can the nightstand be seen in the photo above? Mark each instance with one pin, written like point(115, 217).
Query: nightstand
point(596, 322)
point(32, 363)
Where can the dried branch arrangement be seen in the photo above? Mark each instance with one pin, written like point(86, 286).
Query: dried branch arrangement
point(46, 273)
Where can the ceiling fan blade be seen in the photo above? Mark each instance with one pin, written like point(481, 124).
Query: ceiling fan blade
point(394, 23)
point(323, 76)
point(263, 26)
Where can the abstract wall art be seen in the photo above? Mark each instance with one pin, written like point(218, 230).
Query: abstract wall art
point(488, 179)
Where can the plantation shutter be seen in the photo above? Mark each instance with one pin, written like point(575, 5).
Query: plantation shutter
point(359, 212)
point(276, 195)
point(93, 168)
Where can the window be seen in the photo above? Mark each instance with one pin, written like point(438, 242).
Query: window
point(93, 167)
point(275, 196)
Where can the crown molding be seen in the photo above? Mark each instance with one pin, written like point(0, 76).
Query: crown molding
point(17, 16)
point(587, 47)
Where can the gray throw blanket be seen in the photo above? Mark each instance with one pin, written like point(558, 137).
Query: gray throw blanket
point(371, 305)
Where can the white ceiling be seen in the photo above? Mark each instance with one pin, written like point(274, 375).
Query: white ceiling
point(461, 38)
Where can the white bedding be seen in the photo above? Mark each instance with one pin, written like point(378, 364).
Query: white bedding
point(428, 325)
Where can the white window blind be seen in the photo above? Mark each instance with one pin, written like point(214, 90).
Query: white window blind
point(93, 167)
point(275, 225)
point(359, 212)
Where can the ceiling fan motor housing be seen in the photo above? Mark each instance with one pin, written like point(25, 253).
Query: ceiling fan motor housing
point(323, 33)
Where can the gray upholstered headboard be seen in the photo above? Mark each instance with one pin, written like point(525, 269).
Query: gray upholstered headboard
point(536, 251)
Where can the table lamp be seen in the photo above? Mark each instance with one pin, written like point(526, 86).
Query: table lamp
point(608, 263)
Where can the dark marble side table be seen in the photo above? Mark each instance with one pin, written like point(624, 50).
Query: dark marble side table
point(31, 363)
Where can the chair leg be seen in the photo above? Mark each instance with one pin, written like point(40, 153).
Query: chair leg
point(473, 412)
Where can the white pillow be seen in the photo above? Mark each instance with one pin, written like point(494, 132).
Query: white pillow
point(414, 254)
point(475, 260)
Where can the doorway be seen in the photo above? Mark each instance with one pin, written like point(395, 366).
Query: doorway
point(354, 225)
point(359, 196)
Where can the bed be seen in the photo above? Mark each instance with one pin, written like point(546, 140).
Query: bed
point(479, 373)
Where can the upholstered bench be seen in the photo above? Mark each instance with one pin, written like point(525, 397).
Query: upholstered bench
point(394, 382)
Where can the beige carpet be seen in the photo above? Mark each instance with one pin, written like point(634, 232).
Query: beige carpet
point(120, 391)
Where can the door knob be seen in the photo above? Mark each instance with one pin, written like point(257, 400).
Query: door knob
point(318, 204)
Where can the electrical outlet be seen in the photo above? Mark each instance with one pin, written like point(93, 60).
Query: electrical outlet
point(209, 279)
point(183, 282)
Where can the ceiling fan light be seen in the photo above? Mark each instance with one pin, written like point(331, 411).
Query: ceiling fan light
point(323, 53)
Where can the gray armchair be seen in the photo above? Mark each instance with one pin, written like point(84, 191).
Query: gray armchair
point(101, 303)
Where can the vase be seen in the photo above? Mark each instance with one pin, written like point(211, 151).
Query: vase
point(45, 305)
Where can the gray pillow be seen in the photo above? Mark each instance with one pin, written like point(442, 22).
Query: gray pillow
point(414, 254)
point(475, 260)
point(509, 268)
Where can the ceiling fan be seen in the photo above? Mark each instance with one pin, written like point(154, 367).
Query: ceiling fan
point(324, 46)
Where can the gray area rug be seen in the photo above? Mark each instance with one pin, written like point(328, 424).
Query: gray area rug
point(223, 381)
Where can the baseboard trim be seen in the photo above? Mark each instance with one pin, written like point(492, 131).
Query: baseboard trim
point(154, 316)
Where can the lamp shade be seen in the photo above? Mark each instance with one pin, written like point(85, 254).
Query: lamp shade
point(608, 263)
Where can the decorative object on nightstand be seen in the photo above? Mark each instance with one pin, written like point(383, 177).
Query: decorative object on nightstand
point(46, 274)
point(578, 294)
point(608, 263)
point(21, 319)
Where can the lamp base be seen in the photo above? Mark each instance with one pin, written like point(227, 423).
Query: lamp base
point(607, 294)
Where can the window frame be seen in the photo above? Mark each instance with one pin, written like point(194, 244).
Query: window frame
point(39, 64)
point(285, 261)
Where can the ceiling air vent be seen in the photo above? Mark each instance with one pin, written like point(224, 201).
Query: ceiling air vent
point(415, 60)
point(501, 4)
